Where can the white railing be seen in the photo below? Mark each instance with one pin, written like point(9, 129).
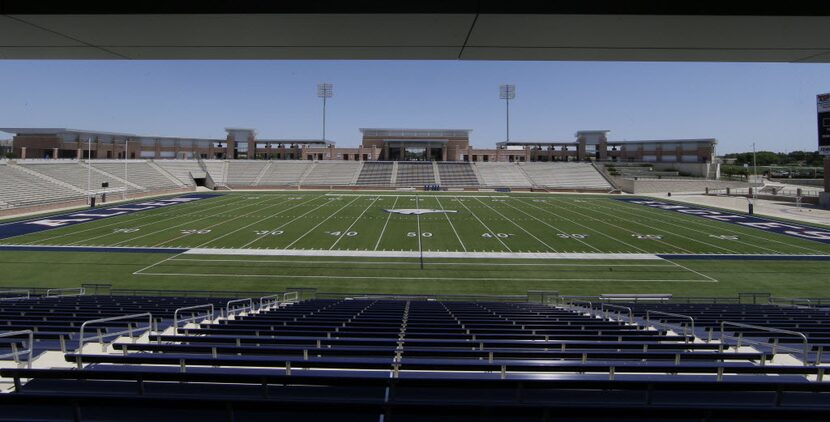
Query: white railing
point(69, 291)
point(690, 325)
point(617, 309)
point(232, 308)
point(130, 331)
point(27, 295)
point(267, 302)
point(194, 316)
point(28, 347)
point(291, 297)
point(740, 339)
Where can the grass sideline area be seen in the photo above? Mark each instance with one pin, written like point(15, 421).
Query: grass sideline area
point(71, 269)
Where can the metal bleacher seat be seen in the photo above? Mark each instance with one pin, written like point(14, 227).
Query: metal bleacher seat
point(372, 359)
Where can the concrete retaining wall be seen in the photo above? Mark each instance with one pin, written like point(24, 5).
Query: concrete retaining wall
point(663, 186)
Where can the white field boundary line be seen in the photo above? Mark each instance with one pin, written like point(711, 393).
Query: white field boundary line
point(415, 254)
point(691, 270)
point(374, 200)
point(141, 215)
point(320, 223)
point(732, 229)
point(553, 227)
point(157, 263)
point(550, 248)
point(344, 277)
point(416, 263)
point(492, 233)
point(600, 232)
point(386, 223)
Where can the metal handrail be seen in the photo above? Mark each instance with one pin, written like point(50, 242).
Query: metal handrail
point(129, 329)
point(16, 353)
point(192, 318)
point(602, 307)
point(691, 320)
point(28, 294)
point(295, 296)
point(270, 300)
point(792, 301)
point(805, 352)
point(80, 292)
point(250, 306)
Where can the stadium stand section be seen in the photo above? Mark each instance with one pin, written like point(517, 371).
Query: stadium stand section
point(365, 358)
point(145, 174)
point(457, 175)
point(242, 173)
point(183, 170)
point(285, 173)
point(502, 175)
point(76, 174)
point(415, 174)
point(217, 169)
point(565, 176)
point(22, 188)
point(375, 174)
point(337, 173)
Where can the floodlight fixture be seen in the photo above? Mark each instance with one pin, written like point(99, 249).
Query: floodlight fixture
point(507, 92)
point(325, 91)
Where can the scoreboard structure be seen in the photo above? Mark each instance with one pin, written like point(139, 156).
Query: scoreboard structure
point(823, 109)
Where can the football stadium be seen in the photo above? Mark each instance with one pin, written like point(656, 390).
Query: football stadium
point(413, 277)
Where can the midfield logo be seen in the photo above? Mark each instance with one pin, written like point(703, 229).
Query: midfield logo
point(419, 211)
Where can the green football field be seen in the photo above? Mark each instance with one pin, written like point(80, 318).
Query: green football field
point(482, 243)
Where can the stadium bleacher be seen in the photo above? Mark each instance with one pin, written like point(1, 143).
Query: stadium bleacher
point(457, 174)
point(244, 173)
point(21, 188)
point(285, 173)
point(338, 173)
point(415, 174)
point(565, 176)
point(382, 359)
point(375, 174)
point(497, 175)
point(183, 170)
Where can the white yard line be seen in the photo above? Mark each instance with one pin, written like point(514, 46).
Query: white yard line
point(666, 231)
point(320, 224)
point(450, 222)
point(485, 226)
point(517, 225)
point(165, 228)
point(551, 226)
point(353, 223)
point(418, 222)
point(224, 221)
point(258, 221)
point(290, 221)
point(386, 223)
point(600, 232)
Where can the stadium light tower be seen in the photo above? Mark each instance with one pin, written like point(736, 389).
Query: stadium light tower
point(325, 91)
point(507, 93)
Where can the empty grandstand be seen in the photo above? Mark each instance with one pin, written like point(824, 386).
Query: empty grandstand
point(502, 175)
point(285, 173)
point(186, 171)
point(577, 176)
point(457, 175)
point(375, 174)
point(335, 173)
point(375, 358)
point(415, 174)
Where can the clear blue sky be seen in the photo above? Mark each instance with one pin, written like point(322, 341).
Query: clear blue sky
point(737, 103)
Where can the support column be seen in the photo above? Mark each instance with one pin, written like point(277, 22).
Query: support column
point(23, 153)
point(54, 153)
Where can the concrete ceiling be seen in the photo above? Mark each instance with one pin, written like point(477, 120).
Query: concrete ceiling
point(428, 30)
